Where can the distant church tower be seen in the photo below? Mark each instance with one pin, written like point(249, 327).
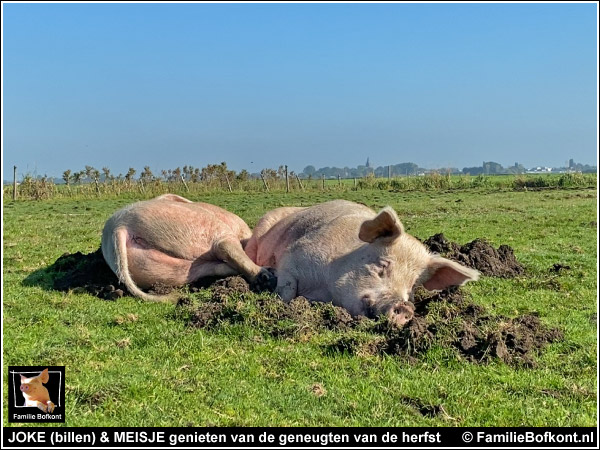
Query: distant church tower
point(368, 165)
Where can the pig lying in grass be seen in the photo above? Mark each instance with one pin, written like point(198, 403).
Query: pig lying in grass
point(344, 252)
point(172, 241)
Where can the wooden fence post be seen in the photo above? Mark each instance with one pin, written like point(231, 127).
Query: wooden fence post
point(287, 180)
point(97, 187)
point(299, 182)
point(264, 182)
point(323, 179)
point(15, 183)
point(228, 183)
point(184, 183)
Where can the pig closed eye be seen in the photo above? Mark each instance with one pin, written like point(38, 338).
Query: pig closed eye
point(383, 267)
point(378, 270)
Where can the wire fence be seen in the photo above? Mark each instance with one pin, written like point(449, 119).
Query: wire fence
point(43, 188)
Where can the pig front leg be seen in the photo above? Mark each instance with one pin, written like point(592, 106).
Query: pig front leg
point(231, 252)
point(287, 286)
point(39, 405)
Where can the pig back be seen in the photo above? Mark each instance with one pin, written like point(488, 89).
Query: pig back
point(325, 231)
point(184, 230)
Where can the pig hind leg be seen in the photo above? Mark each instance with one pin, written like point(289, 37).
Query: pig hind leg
point(128, 258)
point(231, 252)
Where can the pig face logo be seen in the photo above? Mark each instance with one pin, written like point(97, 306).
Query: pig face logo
point(36, 394)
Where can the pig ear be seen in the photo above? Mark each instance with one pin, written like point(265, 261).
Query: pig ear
point(385, 226)
point(442, 273)
point(44, 376)
point(23, 378)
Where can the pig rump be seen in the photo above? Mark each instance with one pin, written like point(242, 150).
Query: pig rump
point(172, 241)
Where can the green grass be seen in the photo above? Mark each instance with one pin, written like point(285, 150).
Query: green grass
point(130, 363)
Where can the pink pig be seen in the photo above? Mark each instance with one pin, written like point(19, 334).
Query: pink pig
point(173, 241)
point(35, 392)
point(345, 253)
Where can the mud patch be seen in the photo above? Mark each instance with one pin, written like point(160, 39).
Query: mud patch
point(514, 341)
point(298, 319)
point(426, 410)
point(446, 319)
point(478, 254)
point(86, 273)
point(89, 273)
point(558, 267)
point(161, 289)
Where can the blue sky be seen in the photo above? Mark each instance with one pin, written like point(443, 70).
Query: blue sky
point(260, 85)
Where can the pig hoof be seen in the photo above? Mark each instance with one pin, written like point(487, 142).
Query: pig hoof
point(265, 280)
point(50, 406)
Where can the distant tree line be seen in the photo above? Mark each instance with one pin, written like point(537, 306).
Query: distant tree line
point(360, 171)
point(409, 168)
point(220, 174)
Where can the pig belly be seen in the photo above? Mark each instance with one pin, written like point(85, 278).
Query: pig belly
point(149, 266)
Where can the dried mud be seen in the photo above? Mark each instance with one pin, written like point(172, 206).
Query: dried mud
point(86, 273)
point(478, 254)
point(445, 319)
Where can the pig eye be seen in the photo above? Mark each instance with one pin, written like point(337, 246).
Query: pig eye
point(383, 266)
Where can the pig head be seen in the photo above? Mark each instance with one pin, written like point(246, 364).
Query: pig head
point(35, 392)
point(344, 252)
point(172, 241)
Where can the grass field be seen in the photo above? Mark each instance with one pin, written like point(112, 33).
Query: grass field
point(130, 363)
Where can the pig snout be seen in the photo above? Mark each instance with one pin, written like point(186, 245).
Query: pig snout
point(401, 313)
point(24, 388)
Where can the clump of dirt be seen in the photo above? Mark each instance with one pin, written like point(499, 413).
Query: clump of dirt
point(445, 318)
point(558, 267)
point(449, 319)
point(236, 284)
point(478, 254)
point(229, 303)
point(425, 409)
point(86, 273)
point(160, 289)
point(512, 340)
